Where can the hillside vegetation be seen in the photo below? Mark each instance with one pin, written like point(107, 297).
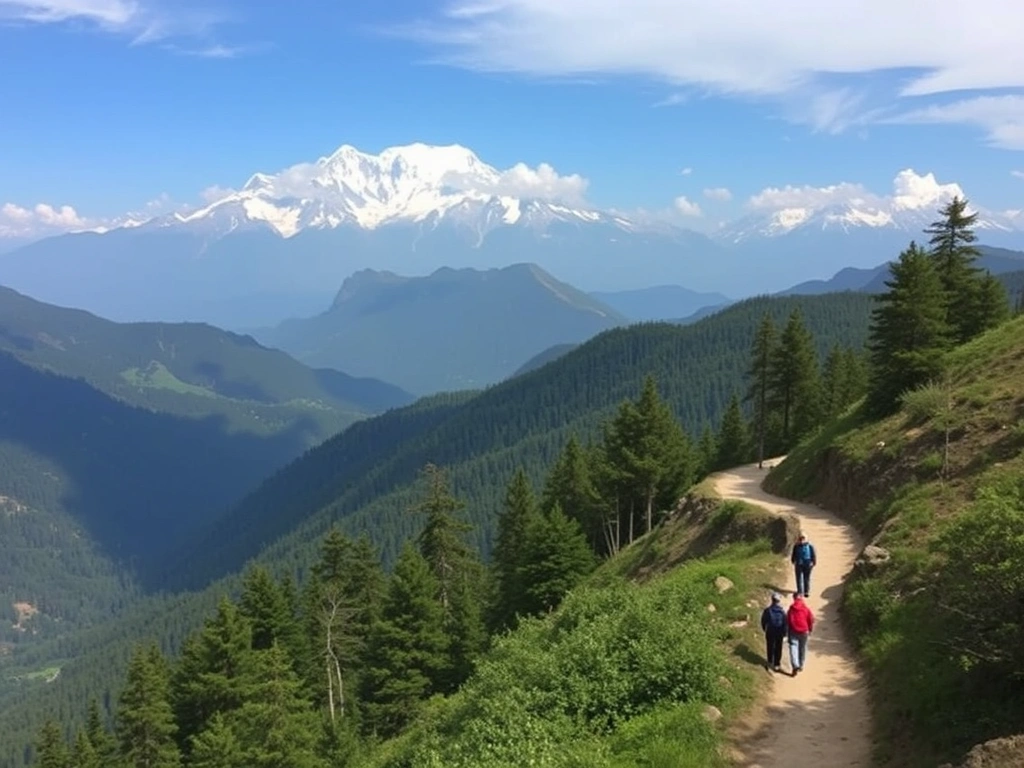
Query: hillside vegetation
point(633, 668)
point(364, 480)
point(935, 604)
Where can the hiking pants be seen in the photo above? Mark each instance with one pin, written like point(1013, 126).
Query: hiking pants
point(797, 649)
point(803, 579)
point(773, 641)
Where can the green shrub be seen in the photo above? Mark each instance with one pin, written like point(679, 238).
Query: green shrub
point(582, 686)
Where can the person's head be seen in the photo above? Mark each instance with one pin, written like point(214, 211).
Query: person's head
point(776, 598)
point(797, 597)
point(802, 538)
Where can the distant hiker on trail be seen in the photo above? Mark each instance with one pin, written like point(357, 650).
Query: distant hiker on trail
point(803, 559)
point(800, 620)
point(774, 624)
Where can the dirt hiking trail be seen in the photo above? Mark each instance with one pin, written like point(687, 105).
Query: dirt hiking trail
point(820, 718)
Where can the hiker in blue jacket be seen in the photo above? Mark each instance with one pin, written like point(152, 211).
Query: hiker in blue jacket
point(803, 559)
point(773, 624)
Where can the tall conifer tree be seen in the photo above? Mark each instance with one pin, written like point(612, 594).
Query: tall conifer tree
point(909, 334)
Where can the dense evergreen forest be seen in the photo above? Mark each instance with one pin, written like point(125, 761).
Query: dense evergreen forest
point(364, 480)
point(317, 679)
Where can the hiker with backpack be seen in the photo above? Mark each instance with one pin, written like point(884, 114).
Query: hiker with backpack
point(803, 559)
point(800, 625)
point(774, 624)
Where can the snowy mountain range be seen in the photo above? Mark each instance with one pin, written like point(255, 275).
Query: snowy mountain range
point(282, 244)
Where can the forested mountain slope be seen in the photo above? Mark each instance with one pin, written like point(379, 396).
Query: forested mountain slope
point(363, 478)
point(358, 477)
point(938, 488)
point(189, 369)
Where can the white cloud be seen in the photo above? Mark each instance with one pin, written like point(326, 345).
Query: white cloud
point(910, 191)
point(17, 221)
point(142, 21)
point(779, 198)
point(542, 182)
point(821, 61)
point(687, 207)
point(1018, 174)
point(720, 194)
point(1001, 117)
point(686, 171)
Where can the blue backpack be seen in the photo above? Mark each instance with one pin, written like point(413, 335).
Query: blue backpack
point(803, 554)
point(776, 617)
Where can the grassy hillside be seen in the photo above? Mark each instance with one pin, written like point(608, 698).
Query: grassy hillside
point(361, 477)
point(936, 603)
point(454, 329)
point(189, 369)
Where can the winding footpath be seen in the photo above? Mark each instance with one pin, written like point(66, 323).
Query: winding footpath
point(820, 718)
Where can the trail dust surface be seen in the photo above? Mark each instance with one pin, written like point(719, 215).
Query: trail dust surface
point(820, 717)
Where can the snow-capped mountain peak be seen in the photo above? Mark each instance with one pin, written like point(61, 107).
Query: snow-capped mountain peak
point(913, 205)
point(411, 183)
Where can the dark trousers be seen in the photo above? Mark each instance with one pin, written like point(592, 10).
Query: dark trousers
point(774, 642)
point(803, 579)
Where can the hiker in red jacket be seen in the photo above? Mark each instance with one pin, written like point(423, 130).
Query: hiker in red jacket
point(801, 624)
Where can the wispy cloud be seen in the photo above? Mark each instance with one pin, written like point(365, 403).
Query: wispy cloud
point(686, 171)
point(1001, 117)
point(736, 50)
point(180, 27)
point(1018, 174)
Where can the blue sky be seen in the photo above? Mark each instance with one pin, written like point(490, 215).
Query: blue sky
point(112, 104)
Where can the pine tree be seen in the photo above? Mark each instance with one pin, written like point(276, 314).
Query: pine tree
point(459, 574)
point(571, 485)
point(341, 605)
point(264, 606)
point(210, 675)
point(663, 463)
point(145, 720)
point(733, 441)
point(648, 461)
point(519, 512)
point(408, 654)
point(795, 382)
point(843, 380)
point(102, 740)
point(83, 754)
point(760, 375)
point(276, 725)
point(991, 305)
point(52, 752)
point(556, 559)
point(217, 746)
point(909, 334)
point(953, 254)
point(442, 541)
